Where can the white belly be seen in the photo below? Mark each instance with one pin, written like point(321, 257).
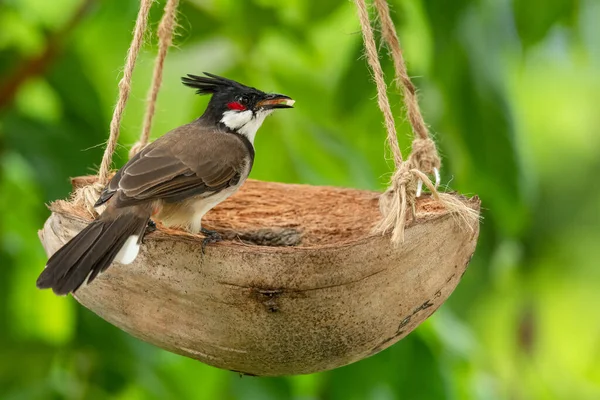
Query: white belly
point(188, 213)
point(202, 206)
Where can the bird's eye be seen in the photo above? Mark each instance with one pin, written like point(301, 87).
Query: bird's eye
point(235, 105)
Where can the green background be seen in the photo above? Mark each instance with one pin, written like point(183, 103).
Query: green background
point(511, 90)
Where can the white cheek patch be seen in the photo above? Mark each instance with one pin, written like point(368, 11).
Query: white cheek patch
point(236, 119)
point(245, 122)
point(249, 130)
point(129, 251)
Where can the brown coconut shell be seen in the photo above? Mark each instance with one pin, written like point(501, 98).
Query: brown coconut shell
point(322, 293)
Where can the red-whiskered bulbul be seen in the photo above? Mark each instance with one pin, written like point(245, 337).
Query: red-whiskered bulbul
point(176, 179)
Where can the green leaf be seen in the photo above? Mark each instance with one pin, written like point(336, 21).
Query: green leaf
point(534, 18)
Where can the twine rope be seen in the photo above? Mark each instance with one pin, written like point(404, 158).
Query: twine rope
point(166, 28)
point(87, 195)
point(424, 152)
point(382, 98)
point(403, 82)
point(405, 185)
point(141, 24)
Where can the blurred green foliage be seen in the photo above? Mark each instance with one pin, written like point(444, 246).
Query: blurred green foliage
point(511, 90)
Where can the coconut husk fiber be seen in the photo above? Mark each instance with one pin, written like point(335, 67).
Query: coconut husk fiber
point(299, 285)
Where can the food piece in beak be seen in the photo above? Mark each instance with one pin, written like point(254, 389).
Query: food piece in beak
point(276, 101)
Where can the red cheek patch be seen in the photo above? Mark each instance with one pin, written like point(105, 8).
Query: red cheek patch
point(236, 106)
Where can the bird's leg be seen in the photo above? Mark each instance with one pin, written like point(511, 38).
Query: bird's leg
point(211, 237)
point(150, 227)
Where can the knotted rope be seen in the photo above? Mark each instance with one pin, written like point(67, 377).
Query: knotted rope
point(405, 185)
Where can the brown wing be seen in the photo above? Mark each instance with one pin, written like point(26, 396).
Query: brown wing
point(188, 161)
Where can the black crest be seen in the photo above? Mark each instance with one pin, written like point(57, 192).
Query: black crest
point(211, 84)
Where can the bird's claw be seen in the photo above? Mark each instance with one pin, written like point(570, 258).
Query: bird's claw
point(211, 237)
point(150, 227)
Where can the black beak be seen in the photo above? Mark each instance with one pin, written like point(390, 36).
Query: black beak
point(272, 101)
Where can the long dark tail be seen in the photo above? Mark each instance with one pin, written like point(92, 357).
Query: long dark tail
point(91, 251)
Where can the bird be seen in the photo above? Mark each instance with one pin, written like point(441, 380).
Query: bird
point(176, 180)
